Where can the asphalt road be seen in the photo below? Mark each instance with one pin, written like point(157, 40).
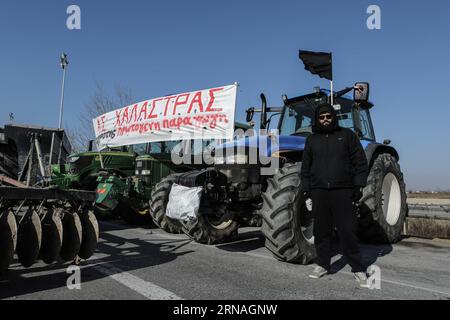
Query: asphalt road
point(138, 263)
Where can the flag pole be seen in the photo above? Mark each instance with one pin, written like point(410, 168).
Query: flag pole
point(331, 83)
point(331, 89)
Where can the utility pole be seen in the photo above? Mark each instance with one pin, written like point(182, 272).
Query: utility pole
point(64, 62)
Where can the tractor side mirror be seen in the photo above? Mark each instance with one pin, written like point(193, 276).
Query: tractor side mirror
point(250, 114)
point(361, 92)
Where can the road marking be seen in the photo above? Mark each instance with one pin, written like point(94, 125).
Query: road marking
point(407, 285)
point(416, 287)
point(147, 289)
point(183, 237)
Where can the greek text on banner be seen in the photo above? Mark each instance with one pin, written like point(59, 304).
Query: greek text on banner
point(204, 114)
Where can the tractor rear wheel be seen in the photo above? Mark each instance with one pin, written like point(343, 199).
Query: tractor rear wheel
point(214, 224)
point(383, 209)
point(287, 225)
point(158, 205)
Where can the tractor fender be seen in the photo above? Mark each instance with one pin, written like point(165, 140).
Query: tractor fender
point(372, 150)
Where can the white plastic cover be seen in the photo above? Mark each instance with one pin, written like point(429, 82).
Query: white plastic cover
point(184, 202)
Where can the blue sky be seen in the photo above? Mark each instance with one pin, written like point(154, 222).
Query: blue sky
point(161, 47)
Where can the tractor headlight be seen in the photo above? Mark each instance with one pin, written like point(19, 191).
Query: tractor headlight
point(233, 159)
point(143, 172)
point(73, 159)
point(143, 167)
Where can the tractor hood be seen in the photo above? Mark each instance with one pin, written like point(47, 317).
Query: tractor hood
point(271, 144)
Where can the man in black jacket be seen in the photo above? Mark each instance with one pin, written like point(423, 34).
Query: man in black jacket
point(334, 171)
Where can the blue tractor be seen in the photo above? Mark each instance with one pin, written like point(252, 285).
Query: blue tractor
point(241, 188)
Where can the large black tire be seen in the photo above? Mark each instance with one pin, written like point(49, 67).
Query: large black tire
point(383, 208)
point(287, 225)
point(158, 205)
point(214, 224)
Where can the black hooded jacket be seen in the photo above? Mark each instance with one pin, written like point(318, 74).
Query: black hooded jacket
point(333, 157)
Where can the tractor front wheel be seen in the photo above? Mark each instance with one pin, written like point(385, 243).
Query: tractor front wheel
point(287, 225)
point(214, 224)
point(158, 205)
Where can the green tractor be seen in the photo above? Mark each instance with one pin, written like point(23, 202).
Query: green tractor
point(82, 169)
point(127, 196)
point(135, 198)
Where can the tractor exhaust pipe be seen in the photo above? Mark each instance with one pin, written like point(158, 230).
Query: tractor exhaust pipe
point(263, 125)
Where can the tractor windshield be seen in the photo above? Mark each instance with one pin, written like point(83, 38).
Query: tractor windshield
point(140, 149)
point(164, 147)
point(298, 119)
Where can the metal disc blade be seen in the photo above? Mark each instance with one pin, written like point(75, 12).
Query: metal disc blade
point(90, 234)
point(72, 236)
point(52, 235)
point(29, 238)
point(8, 239)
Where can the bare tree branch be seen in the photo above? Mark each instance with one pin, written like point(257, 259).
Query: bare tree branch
point(99, 103)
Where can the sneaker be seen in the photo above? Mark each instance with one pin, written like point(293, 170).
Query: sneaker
point(361, 278)
point(318, 272)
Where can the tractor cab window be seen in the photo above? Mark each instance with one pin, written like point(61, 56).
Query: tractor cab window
point(164, 147)
point(155, 147)
point(168, 146)
point(366, 128)
point(346, 119)
point(299, 119)
point(140, 149)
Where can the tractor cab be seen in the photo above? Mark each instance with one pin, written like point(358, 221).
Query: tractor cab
point(297, 120)
point(297, 114)
point(297, 117)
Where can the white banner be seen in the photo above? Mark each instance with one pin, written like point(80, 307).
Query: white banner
point(204, 114)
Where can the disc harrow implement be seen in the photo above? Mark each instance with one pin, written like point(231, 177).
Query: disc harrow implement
point(46, 224)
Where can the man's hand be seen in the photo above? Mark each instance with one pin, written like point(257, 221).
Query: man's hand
point(357, 194)
point(309, 204)
point(308, 200)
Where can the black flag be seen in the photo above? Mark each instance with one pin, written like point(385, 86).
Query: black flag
point(319, 63)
